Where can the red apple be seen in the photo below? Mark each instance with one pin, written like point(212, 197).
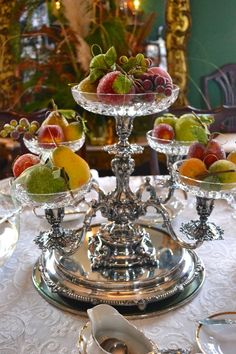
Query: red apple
point(196, 150)
point(213, 152)
point(115, 88)
point(50, 134)
point(23, 162)
point(163, 131)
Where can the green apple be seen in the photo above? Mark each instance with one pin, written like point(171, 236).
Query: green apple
point(183, 127)
point(224, 165)
point(166, 118)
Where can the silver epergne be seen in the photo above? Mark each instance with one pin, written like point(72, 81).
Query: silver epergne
point(139, 269)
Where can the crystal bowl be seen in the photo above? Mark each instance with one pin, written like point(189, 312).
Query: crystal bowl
point(168, 147)
point(203, 189)
point(126, 105)
point(44, 148)
point(49, 201)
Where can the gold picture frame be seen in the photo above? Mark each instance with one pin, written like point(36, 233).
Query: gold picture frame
point(178, 25)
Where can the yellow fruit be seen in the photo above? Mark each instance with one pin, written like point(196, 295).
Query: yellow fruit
point(87, 86)
point(75, 167)
point(55, 118)
point(192, 168)
point(73, 131)
point(232, 156)
point(88, 89)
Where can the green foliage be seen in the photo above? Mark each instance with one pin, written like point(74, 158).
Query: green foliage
point(110, 33)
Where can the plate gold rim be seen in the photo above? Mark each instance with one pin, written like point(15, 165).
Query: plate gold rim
point(197, 334)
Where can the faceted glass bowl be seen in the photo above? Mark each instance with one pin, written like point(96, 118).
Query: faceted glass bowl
point(168, 147)
point(9, 222)
point(49, 201)
point(44, 148)
point(203, 188)
point(126, 105)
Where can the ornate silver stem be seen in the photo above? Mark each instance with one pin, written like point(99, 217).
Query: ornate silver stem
point(65, 241)
point(202, 229)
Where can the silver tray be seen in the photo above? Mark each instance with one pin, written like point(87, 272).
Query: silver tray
point(69, 283)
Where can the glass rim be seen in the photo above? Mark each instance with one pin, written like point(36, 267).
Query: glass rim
point(199, 181)
point(42, 145)
point(174, 142)
point(75, 88)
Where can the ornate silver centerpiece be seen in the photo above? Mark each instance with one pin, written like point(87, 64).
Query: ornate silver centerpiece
point(137, 268)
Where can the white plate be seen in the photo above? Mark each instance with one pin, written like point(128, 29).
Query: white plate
point(217, 339)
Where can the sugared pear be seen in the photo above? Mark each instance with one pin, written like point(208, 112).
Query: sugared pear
point(55, 118)
point(76, 167)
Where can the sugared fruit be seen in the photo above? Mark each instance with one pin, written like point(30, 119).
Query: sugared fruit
point(225, 170)
point(168, 118)
point(23, 162)
point(42, 180)
point(117, 85)
point(50, 134)
point(163, 131)
point(197, 150)
point(192, 168)
point(232, 156)
point(55, 118)
point(73, 131)
point(76, 168)
point(183, 127)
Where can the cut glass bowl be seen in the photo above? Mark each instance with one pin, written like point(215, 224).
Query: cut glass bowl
point(168, 147)
point(203, 189)
point(44, 148)
point(126, 105)
point(49, 201)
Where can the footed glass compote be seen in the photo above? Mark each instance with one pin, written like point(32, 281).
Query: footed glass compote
point(174, 151)
point(63, 240)
point(206, 193)
point(44, 149)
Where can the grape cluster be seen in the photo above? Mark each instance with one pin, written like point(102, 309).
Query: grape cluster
point(153, 83)
point(14, 129)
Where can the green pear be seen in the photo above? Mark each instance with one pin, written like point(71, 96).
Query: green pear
point(183, 127)
point(221, 166)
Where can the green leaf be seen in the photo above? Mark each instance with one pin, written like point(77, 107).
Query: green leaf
point(207, 119)
point(95, 74)
point(122, 84)
point(67, 113)
point(110, 56)
point(200, 134)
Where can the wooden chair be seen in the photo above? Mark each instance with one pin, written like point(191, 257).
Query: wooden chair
point(225, 78)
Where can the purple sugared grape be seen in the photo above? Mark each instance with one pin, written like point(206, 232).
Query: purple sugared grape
point(15, 135)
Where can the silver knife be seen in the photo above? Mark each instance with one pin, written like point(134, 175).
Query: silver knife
point(214, 321)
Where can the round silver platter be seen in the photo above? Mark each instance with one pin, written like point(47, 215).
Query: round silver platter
point(69, 283)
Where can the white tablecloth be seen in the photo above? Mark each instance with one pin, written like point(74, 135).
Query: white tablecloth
point(50, 330)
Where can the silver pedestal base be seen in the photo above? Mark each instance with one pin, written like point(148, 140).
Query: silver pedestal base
point(69, 282)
